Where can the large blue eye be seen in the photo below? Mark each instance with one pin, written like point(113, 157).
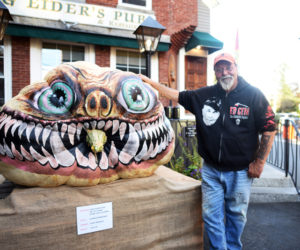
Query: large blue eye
point(135, 96)
point(56, 100)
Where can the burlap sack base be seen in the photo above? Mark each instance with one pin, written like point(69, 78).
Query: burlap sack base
point(158, 212)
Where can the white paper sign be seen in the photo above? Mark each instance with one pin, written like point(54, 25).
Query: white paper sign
point(94, 218)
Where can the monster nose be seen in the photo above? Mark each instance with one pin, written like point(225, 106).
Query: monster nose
point(98, 104)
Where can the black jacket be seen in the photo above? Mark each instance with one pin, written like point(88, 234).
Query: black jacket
point(228, 124)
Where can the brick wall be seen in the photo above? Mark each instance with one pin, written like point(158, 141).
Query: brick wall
point(102, 56)
point(109, 3)
point(20, 63)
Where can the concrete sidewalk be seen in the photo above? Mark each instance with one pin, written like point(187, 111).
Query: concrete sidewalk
point(273, 186)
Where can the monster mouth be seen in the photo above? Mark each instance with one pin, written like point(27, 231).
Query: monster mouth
point(63, 143)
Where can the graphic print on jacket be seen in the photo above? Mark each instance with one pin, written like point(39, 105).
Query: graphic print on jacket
point(82, 126)
point(211, 111)
point(239, 112)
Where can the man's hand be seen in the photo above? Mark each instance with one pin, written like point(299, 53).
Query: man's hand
point(255, 168)
point(169, 93)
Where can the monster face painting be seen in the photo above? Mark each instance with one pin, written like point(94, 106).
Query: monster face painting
point(82, 126)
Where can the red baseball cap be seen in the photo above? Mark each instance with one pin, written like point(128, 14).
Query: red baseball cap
point(224, 57)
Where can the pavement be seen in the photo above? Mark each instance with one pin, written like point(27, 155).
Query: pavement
point(273, 219)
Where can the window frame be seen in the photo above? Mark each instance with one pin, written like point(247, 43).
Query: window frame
point(7, 68)
point(36, 46)
point(154, 61)
point(128, 66)
point(128, 5)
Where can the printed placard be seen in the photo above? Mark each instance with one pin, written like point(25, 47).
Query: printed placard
point(94, 218)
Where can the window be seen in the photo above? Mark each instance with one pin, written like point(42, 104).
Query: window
point(2, 86)
point(54, 54)
point(135, 2)
point(144, 4)
point(131, 61)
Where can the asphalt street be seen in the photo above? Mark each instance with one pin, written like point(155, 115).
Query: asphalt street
point(272, 226)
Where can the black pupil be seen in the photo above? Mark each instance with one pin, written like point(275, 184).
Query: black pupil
point(58, 98)
point(135, 92)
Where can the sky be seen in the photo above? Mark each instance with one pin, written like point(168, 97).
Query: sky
point(269, 32)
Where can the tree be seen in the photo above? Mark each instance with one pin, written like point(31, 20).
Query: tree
point(289, 100)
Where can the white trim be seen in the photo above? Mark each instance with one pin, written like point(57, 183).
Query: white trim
point(133, 6)
point(155, 67)
point(181, 82)
point(89, 53)
point(35, 60)
point(7, 68)
point(113, 57)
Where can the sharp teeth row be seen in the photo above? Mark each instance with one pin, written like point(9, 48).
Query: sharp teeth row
point(138, 136)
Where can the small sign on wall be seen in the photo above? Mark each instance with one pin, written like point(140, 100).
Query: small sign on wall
point(94, 218)
point(190, 131)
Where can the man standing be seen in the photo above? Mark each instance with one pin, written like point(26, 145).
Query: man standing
point(229, 118)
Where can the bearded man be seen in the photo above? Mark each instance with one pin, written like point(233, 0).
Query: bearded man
point(229, 142)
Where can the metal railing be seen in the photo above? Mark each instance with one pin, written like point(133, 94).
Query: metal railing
point(285, 152)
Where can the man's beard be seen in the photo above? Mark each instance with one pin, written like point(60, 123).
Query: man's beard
point(226, 82)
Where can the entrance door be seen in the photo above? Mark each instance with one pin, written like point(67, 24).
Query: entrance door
point(195, 72)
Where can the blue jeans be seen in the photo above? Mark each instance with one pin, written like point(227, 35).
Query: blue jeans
point(225, 199)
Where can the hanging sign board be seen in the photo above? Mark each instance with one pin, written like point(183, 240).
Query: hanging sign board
point(77, 13)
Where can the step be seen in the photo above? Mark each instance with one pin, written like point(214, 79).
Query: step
point(274, 194)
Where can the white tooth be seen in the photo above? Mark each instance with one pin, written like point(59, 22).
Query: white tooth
point(86, 125)
point(100, 124)
point(55, 127)
point(38, 130)
point(122, 130)
point(154, 152)
point(147, 156)
point(50, 158)
point(160, 120)
point(15, 126)
point(4, 122)
point(8, 125)
point(26, 154)
point(46, 133)
point(131, 146)
point(108, 125)
point(94, 124)
point(79, 128)
point(16, 152)
point(63, 130)
point(7, 150)
point(29, 128)
point(2, 150)
point(116, 125)
point(92, 161)
point(42, 159)
point(170, 135)
point(148, 131)
point(81, 159)
point(21, 129)
point(104, 161)
point(142, 153)
point(137, 127)
point(61, 154)
point(113, 155)
point(71, 132)
point(2, 117)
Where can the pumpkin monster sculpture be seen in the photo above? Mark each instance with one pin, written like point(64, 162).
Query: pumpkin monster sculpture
point(82, 126)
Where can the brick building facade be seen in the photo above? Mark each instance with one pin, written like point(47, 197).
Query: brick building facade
point(43, 30)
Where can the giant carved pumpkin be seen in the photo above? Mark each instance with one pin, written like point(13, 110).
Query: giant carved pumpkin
point(81, 126)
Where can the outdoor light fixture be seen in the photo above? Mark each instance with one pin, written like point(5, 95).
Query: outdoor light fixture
point(148, 35)
point(5, 17)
